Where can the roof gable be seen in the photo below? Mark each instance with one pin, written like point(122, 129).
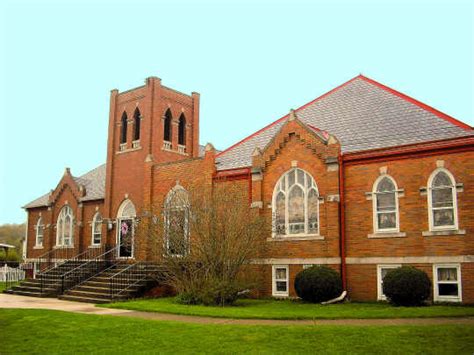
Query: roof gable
point(363, 115)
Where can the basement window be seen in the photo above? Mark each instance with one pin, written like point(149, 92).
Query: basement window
point(447, 283)
point(280, 282)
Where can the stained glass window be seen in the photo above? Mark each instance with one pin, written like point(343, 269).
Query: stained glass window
point(65, 227)
point(177, 221)
point(296, 204)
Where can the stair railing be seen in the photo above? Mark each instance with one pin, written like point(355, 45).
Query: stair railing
point(90, 253)
point(88, 269)
point(50, 277)
point(130, 276)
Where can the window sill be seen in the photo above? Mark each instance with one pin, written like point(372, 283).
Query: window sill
point(443, 232)
point(63, 247)
point(128, 150)
point(295, 238)
point(38, 247)
point(381, 235)
point(94, 246)
point(441, 299)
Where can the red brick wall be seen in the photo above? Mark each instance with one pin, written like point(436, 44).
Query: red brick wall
point(409, 175)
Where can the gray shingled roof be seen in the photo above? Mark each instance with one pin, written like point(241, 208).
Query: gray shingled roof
point(93, 181)
point(362, 115)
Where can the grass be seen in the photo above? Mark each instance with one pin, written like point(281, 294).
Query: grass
point(288, 309)
point(42, 331)
point(3, 285)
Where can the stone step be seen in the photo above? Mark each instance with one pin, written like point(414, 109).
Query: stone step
point(83, 299)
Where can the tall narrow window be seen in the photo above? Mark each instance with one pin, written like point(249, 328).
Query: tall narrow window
point(136, 124)
point(123, 131)
point(280, 280)
point(177, 222)
point(295, 205)
point(182, 130)
point(385, 203)
point(442, 202)
point(96, 229)
point(39, 232)
point(65, 227)
point(167, 132)
point(125, 228)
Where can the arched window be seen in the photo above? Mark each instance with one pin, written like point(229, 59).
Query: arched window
point(385, 205)
point(96, 229)
point(182, 130)
point(123, 131)
point(65, 227)
point(296, 204)
point(125, 222)
point(177, 221)
point(167, 132)
point(136, 124)
point(39, 232)
point(442, 201)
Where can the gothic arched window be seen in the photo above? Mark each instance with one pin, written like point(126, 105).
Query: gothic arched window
point(296, 204)
point(177, 221)
point(96, 229)
point(65, 227)
point(167, 131)
point(136, 124)
point(182, 130)
point(39, 232)
point(123, 128)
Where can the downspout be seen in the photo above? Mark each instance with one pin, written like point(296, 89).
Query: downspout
point(342, 223)
point(250, 185)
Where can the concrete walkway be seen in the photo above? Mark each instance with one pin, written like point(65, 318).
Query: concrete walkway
point(14, 301)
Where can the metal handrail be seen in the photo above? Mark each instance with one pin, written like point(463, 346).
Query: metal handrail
point(86, 270)
point(81, 256)
point(124, 279)
point(56, 272)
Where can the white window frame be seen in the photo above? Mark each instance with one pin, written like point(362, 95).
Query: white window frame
point(126, 211)
point(170, 208)
point(39, 226)
point(65, 212)
point(436, 296)
point(95, 231)
point(380, 294)
point(286, 192)
point(276, 293)
point(432, 227)
point(375, 212)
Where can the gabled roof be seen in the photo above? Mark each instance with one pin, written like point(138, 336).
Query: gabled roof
point(362, 114)
point(93, 182)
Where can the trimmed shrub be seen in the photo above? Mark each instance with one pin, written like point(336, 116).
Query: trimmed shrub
point(407, 286)
point(318, 284)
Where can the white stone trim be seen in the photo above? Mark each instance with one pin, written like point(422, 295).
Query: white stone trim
point(298, 237)
point(410, 259)
point(297, 261)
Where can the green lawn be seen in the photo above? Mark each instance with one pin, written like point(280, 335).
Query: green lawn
point(288, 309)
point(3, 285)
point(46, 332)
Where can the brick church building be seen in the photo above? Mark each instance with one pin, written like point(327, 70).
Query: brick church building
point(362, 179)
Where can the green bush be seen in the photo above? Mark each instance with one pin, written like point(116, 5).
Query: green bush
point(318, 284)
point(407, 286)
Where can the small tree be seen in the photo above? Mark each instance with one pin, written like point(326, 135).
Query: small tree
point(205, 238)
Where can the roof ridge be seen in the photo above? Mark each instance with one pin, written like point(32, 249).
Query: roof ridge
point(286, 115)
point(420, 104)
